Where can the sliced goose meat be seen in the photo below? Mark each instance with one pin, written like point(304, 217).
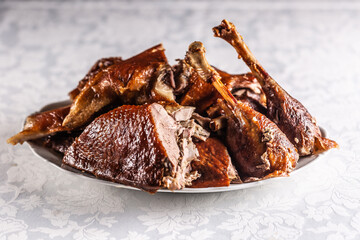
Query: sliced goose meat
point(140, 146)
point(213, 164)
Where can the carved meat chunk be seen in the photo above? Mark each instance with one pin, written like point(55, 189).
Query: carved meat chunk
point(201, 94)
point(41, 124)
point(138, 146)
point(213, 164)
point(125, 81)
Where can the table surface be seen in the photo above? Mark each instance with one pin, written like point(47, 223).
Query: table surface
point(312, 49)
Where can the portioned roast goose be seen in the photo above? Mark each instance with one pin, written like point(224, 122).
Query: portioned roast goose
point(140, 79)
point(287, 112)
point(141, 146)
point(143, 123)
point(259, 149)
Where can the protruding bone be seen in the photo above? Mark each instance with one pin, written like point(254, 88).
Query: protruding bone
point(227, 31)
point(195, 56)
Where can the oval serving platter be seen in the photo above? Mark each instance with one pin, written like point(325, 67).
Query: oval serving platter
point(55, 159)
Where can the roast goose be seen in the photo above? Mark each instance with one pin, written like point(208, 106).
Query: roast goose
point(146, 124)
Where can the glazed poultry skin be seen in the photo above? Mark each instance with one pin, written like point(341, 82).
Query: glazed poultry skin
point(213, 164)
point(96, 68)
point(133, 145)
point(41, 124)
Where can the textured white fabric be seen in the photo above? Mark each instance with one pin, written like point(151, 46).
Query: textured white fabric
point(311, 48)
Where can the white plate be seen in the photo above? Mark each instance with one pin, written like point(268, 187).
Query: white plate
point(55, 159)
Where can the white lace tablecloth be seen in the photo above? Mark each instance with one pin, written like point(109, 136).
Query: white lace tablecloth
point(311, 48)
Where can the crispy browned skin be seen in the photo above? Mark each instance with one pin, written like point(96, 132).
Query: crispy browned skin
point(41, 124)
point(259, 149)
point(96, 68)
point(122, 80)
point(122, 146)
point(288, 113)
point(213, 164)
point(202, 94)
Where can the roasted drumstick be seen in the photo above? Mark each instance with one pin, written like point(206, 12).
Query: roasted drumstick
point(288, 113)
point(258, 147)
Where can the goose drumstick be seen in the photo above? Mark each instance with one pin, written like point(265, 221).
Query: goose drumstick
point(287, 112)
